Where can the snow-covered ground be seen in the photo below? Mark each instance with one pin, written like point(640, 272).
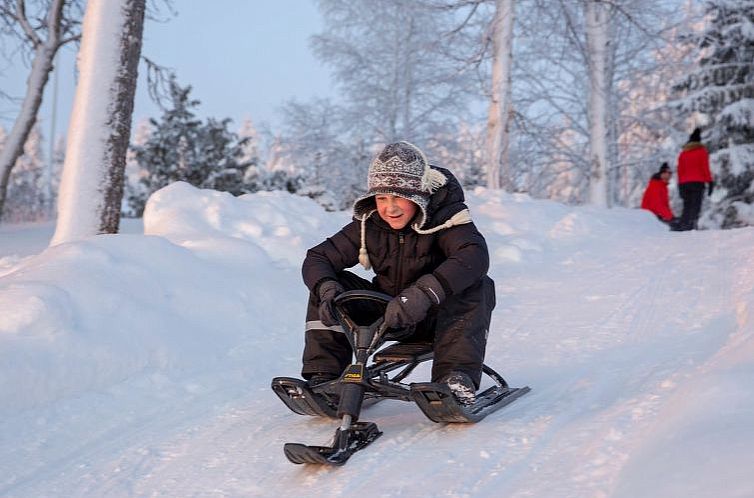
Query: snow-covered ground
point(139, 365)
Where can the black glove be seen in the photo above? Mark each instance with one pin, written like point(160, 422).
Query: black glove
point(710, 186)
point(327, 291)
point(412, 304)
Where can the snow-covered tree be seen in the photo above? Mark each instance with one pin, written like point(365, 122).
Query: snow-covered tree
point(721, 90)
point(399, 81)
point(56, 172)
point(391, 65)
point(250, 154)
point(650, 124)
point(91, 189)
point(26, 195)
point(330, 163)
point(563, 180)
point(40, 28)
point(462, 152)
point(181, 147)
point(597, 15)
point(554, 93)
point(134, 187)
point(500, 108)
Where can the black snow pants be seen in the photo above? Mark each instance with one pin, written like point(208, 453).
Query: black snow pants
point(692, 194)
point(458, 329)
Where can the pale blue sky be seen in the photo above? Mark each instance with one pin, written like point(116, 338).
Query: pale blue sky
point(242, 58)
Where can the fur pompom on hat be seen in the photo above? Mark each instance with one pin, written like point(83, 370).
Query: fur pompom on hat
point(401, 169)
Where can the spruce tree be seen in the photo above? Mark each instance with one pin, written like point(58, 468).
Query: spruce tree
point(722, 90)
point(182, 148)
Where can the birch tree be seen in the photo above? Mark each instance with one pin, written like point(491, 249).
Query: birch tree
point(498, 121)
point(45, 29)
point(91, 189)
point(556, 78)
point(391, 65)
point(598, 41)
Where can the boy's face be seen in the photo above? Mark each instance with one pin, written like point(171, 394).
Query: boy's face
point(396, 211)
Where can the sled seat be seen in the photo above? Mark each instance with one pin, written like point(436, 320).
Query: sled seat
point(408, 352)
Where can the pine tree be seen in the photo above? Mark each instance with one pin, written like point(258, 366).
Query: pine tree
point(722, 91)
point(182, 148)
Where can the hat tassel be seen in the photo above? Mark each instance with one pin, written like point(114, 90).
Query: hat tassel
point(363, 254)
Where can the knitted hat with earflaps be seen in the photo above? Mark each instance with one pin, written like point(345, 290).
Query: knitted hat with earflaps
point(401, 169)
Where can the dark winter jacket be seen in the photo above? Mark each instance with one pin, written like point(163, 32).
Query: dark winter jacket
point(456, 256)
point(693, 164)
point(656, 198)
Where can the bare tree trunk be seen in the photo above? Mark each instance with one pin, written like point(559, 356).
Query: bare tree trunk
point(597, 36)
point(44, 54)
point(91, 189)
point(498, 120)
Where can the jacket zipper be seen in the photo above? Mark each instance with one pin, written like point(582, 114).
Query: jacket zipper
point(399, 276)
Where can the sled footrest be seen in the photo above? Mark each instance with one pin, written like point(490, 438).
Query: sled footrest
point(299, 397)
point(440, 405)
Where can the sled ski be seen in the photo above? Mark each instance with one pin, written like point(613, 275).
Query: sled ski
point(346, 443)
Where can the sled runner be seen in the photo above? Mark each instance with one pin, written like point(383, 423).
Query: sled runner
point(366, 382)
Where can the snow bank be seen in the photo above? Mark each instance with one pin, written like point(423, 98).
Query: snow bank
point(199, 284)
point(524, 231)
point(277, 224)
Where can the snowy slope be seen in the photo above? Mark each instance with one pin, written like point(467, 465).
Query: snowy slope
point(139, 365)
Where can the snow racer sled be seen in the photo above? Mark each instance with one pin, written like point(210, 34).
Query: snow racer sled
point(382, 378)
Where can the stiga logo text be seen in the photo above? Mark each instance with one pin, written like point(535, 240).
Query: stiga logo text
point(354, 373)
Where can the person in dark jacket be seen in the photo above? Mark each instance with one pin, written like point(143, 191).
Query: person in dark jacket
point(414, 230)
point(656, 197)
point(693, 173)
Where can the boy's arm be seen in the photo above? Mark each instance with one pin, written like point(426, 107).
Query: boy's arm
point(467, 258)
point(335, 254)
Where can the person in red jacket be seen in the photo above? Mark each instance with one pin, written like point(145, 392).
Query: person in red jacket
point(656, 195)
point(693, 173)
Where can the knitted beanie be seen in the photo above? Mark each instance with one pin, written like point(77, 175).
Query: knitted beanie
point(401, 169)
point(696, 135)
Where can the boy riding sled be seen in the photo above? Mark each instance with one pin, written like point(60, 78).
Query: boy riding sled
point(414, 230)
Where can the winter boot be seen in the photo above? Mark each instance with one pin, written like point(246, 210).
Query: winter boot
point(461, 386)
